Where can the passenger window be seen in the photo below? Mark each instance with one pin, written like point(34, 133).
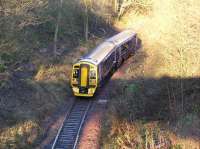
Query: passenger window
point(75, 73)
point(126, 46)
point(133, 43)
point(108, 63)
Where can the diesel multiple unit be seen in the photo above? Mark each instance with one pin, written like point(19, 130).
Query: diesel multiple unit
point(90, 71)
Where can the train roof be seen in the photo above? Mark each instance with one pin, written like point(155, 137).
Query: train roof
point(100, 52)
point(122, 37)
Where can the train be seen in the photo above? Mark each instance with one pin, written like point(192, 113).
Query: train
point(91, 70)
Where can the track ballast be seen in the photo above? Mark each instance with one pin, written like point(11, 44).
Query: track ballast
point(68, 135)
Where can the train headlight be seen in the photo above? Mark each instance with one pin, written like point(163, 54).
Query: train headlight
point(92, 81)
point(76, 73)
point(91, 91)
point(74, 81)
point(75, 89)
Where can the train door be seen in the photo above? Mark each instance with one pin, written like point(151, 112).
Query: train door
point(84, 73)
point(134, 44)
point(118, 56)
point(126, 50)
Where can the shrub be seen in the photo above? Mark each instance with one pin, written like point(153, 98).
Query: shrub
point(2, 68)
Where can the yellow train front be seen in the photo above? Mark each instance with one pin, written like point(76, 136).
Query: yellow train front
point(91, 70)
point(84, 79)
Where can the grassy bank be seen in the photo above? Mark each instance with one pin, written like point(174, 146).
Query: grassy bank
point(34, 81)
point(156, 102)
point(143, 114)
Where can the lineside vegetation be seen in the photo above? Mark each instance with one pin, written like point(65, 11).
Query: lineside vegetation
point(158, 102)
point(39, 41)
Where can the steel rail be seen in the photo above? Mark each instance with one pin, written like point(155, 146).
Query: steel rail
point(81, 124)
point(56, 138)
point(69, 132)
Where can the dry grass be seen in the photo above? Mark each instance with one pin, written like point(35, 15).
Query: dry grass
point(34, 82)
point(140, 135)
point(26, 102)
point(170, 36)
point(53, 73)
point(184, 143)
point(140, 115)
point(20, 136)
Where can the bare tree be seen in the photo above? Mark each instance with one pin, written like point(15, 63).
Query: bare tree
point(57, 27)
point(2, 9)
point(87, 5)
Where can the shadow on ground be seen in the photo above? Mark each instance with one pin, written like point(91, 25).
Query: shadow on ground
point(173, 101)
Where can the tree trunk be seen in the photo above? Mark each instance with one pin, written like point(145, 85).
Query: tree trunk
point(86, 26)
point(87, 5)
point(116, 6)
point(57, 28)
point(2, 12)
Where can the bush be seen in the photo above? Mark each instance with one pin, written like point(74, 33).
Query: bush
point(7, 58)
point(2, 68)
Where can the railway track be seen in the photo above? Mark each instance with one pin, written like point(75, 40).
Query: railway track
point(68, 134)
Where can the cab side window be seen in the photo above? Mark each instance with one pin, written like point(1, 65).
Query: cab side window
point(75, 73)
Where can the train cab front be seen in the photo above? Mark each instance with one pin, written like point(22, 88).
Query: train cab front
point(84, 79)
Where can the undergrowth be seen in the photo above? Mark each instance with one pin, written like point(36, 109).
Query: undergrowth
point(34, 82)
point(162, 83)
point(141, 115)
